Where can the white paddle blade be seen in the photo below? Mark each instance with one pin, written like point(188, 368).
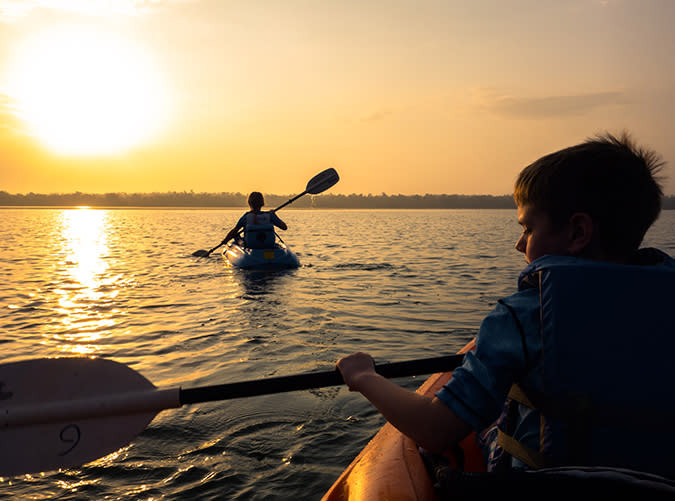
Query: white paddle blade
point(64, 412)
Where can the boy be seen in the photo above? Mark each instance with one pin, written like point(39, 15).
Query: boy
point(593, 201)
point(255, 217)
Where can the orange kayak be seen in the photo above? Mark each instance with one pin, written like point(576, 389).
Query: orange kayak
point(390, 466)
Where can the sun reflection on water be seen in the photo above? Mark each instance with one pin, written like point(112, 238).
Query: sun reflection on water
point(83, 303)
point(87, 243)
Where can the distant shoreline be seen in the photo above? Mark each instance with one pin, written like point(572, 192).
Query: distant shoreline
point(192, 200)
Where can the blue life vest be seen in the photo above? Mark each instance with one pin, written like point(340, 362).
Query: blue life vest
point(608, 366)
point(259, 231)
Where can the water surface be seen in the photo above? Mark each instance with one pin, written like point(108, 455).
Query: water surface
point(122, 284)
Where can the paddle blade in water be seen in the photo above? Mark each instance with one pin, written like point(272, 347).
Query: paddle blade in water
point(64, 412)
point(201, 253)
point(322, 181)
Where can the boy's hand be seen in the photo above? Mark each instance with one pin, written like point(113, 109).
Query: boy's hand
point(354, 368)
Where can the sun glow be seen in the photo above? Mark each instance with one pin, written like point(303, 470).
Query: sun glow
point(83, 92)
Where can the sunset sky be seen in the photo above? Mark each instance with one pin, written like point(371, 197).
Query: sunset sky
point(401, 97)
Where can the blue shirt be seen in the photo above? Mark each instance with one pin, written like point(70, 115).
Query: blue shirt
point(478, 389)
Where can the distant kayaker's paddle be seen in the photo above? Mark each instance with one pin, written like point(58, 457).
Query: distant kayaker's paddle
point(64, 412)
point(206, 253)
point(318, 184)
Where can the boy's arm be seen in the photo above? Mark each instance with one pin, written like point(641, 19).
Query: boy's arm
point(426, 420)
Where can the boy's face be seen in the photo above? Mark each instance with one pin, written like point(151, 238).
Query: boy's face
point(539, 237)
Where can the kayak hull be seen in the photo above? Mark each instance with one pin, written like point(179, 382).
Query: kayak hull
point(279, 257)
point(390, 466)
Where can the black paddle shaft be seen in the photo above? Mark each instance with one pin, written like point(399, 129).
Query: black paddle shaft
point(290, 201)
point(313, 380)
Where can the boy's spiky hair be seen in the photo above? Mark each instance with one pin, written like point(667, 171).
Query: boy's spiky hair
point(608, 177)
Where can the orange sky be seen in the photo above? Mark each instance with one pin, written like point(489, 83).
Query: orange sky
point(400, 97)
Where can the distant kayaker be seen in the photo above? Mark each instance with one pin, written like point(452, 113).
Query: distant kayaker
point(587, 207)
point(262, 222)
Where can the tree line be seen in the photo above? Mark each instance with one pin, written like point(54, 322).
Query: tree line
point(229, 199)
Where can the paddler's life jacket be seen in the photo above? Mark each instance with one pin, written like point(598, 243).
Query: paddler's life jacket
point(259, 231)
point(608, 371)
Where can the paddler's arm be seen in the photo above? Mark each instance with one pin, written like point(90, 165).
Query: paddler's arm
point(276, 220)
point(428, 421)
point(232, 233)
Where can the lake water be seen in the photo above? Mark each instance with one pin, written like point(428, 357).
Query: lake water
point(122, 284)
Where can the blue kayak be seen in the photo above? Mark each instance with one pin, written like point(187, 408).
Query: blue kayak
point(278, 257)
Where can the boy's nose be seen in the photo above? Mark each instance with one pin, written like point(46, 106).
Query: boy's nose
point(520, 245)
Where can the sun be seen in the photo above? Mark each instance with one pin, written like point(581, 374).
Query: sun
point(83, 92)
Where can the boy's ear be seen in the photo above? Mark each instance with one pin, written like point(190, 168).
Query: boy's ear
point(581, 229)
